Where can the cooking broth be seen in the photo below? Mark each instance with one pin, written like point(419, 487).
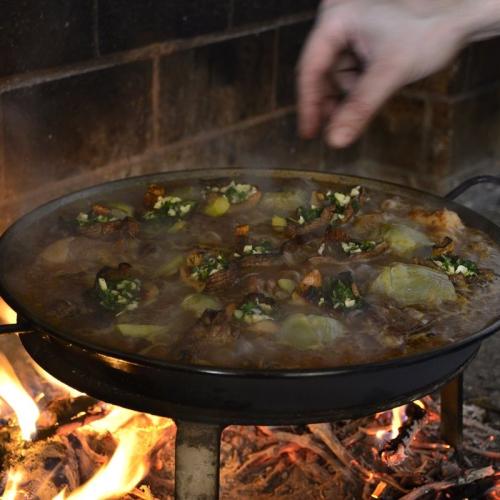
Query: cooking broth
point(256, 273)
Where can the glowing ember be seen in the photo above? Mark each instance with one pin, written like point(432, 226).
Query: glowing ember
point(379, 489)
point(14, 394)
point(14, 478)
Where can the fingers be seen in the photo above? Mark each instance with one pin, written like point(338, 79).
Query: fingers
point(314, 85)
point(370, 92)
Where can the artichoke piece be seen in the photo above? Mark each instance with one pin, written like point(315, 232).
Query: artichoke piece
point(171, 267)
point(410, 284)
point(198, 303)
point(403, 240)
point(283, 202)
point(310, 331)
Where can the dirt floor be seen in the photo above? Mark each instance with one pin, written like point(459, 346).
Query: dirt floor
point(482, 378)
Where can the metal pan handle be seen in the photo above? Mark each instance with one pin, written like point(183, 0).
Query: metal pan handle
point(16, 328)
point(480, 179)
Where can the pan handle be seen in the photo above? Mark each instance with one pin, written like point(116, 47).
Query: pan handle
point(16, 328)
point(480, 179)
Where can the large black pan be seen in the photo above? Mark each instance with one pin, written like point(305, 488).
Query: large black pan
point(222, 396)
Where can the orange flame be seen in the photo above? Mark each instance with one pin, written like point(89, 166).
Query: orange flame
point(6, 313)
point(14, 394)
point(115, 419)
point(126, 468)
point(74, 393)
point(397, 419)
point(11, 491)
point(130, 461)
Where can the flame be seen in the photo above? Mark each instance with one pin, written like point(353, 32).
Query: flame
point(398, 415)
point(115, 419)
point(14, 478)
point(74, 393)
point(6, 313)
point(130, 461)
point(14, 394)
point(420, 403)
point(125, 469)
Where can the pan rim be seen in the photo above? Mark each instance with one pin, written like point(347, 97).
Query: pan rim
point(118, 357)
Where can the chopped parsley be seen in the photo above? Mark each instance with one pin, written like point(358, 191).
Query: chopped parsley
point(169, 207)
point(342, 200)
point(263, 248)
point(235, 193)
point(339, 293)
point(208, 266)
point(308, 214)
point(119, 296)
point(253, 311)
point(453, 265)
point(355, 247)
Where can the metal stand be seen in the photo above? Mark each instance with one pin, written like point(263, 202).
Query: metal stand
point(197, 461)
point(452, 412)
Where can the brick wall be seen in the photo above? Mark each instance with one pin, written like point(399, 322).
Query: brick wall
point(92, 90)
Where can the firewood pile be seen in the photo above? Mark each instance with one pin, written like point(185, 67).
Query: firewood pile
point(350, 459)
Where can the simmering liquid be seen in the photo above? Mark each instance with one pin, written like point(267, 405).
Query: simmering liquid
point(257, 273)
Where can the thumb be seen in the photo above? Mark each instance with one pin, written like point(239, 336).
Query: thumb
point(372, 89)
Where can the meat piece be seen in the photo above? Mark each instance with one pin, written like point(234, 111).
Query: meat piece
point(153, 193)
point(123, 228)
point(215, 326)
point(248, 204)
point(265, 260)
point(444, 221)
point(294, 229)
point(121, 272)
point(447, 246)
point(336, 234)
point(222, 279)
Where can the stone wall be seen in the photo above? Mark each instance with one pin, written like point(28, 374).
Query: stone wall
point(92, 90)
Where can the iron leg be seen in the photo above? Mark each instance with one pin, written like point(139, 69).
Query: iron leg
point(452, 412)
point(197, 461)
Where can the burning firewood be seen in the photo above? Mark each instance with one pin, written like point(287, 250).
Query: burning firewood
point(394, 452)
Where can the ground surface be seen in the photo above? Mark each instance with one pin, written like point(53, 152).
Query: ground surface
point(482, 378)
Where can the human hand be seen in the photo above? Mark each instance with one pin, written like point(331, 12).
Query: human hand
point(396, 41)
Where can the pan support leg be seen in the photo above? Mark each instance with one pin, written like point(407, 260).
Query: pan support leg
point(197, 461)
point(452, 412)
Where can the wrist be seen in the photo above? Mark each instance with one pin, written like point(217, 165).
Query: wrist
point(476, 20)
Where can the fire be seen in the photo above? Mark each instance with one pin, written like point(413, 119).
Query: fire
point(74, 393)
point(136, 435)
point(14, 394)
point(127, 467)
point(398, 414)
point(14, 478)
point(6, 313)
point(115, 419)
